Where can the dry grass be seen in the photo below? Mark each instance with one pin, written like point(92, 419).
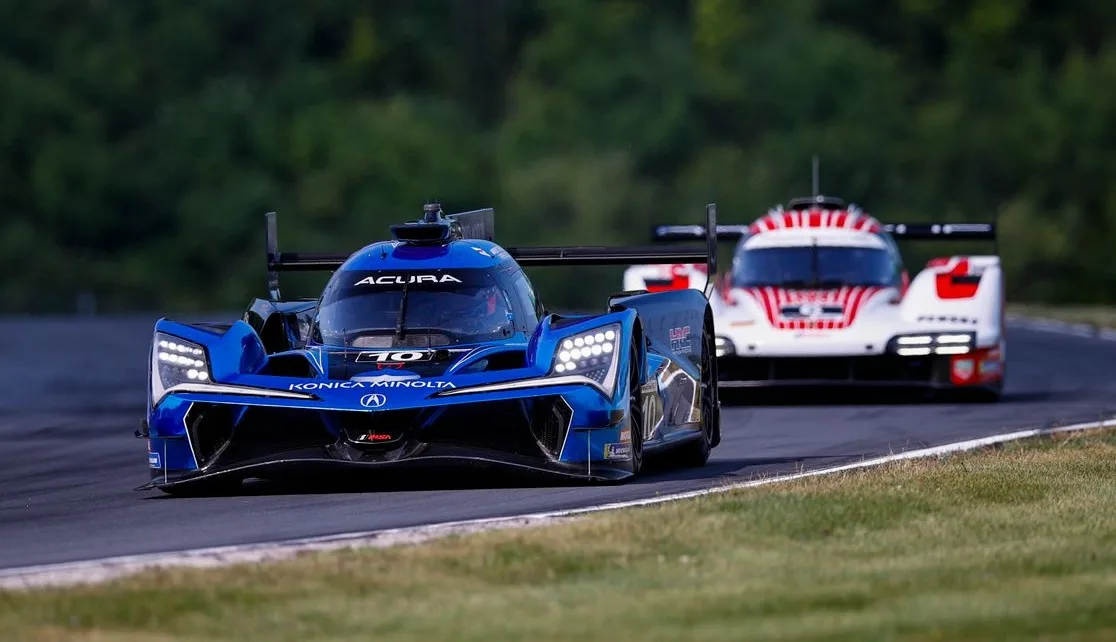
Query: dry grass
point(1014, 543)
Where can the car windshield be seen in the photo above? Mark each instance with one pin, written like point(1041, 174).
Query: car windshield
point(811, 266)
point(381, 309)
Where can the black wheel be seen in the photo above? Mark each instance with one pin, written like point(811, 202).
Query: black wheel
point(712, 383)
point(697, 452)
point(635, 412)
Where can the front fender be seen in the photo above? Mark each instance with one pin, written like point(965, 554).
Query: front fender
point(545, 342)
point(237, 350)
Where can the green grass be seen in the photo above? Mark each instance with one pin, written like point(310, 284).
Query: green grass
point(1004, 544)
point(1099, 316)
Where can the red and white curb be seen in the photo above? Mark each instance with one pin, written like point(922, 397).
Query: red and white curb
point(100, 570)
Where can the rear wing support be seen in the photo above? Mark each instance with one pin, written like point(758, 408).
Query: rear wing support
point(526, 256)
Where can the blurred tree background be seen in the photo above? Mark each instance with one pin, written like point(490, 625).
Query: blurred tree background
point(141, 142)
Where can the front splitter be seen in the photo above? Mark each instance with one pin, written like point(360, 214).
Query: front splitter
point(301, 468)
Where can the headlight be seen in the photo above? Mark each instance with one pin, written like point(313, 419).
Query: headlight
point(724, 347)
point(934, 343)
point(175, 361)
point(589, 354)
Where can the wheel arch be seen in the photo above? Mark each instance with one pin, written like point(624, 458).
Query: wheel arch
point(639, 344)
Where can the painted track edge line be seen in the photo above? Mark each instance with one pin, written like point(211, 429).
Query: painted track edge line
point(105, 569)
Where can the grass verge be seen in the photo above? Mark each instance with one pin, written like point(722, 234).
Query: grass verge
point(1098, 316)
point(1012, 543)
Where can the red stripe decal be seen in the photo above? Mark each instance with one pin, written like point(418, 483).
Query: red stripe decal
point(850, 298)
point(957, 283)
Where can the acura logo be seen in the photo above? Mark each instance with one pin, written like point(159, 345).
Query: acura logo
point(374, 400)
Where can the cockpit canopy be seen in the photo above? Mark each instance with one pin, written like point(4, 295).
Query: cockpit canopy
point(814, 267)
point(420, 308)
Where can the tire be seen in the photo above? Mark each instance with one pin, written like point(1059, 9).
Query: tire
point(696, 453)
point(635, 411)
point(715, 386)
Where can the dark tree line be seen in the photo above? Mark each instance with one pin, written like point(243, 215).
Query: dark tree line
point(141, 142)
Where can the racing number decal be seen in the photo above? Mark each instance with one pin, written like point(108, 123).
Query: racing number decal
point(652, 409)
point(394, 357)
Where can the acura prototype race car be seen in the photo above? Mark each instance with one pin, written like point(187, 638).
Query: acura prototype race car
point(818, 295)
point(433, 349)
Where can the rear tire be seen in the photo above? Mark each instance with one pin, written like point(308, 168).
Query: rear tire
point(696, 453)
point(635, 411)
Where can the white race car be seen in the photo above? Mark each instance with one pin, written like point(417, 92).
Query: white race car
point(657, 278)
point(818, 296)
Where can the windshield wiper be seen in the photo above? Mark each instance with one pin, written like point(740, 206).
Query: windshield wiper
point(402, 314)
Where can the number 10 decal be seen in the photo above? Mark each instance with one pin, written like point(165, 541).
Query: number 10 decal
point(395, 357)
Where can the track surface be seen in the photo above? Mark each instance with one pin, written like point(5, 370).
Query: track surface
point(71, 395)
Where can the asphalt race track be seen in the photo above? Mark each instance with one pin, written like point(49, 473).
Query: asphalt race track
point(72, 393)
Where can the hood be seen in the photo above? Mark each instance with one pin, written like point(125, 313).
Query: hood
point(342, 375)
point(364, 364)
point(805, 309)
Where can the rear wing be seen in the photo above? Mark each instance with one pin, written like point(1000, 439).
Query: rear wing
point(695, 232)
point(479, 224)
point(944, 232)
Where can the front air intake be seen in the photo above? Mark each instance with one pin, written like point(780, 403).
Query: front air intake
point(551, 422)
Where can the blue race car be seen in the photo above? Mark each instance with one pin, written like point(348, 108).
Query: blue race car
point(433, 349)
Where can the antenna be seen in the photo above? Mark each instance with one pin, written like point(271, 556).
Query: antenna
point(431, 212)
point(817, 180)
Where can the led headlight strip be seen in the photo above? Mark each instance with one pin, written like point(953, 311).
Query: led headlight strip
point(178, 358)
point(174, 362)
point(923, 344)
point(590, 354)
point(586, 352)
point(725, 347)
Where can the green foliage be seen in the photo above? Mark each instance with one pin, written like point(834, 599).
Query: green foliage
point(140, 143)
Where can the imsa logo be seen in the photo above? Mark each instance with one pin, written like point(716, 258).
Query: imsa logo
point(680, 341)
